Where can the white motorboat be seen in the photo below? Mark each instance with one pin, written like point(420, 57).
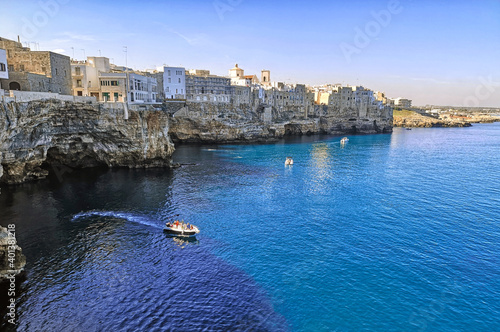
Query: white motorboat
point(182, 229)
point(344, 140)
point(288, 161)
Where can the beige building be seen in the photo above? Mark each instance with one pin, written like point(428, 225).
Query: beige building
point(96, 77)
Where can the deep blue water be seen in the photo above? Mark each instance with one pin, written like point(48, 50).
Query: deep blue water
point(396, 232)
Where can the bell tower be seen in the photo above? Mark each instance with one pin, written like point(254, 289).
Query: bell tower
point(265, 77)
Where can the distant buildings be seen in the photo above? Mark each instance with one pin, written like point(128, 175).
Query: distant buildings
point(96, 77)
point(40, 71)
point(402, 102)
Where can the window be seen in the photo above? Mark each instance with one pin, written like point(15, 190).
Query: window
point(169, 80)
point(11, 67)
point(2, 66)
point(21, 67)
point(169, 72)
point(179, 80)
point(114, 83)
point(77, 71)
point(78, 83)
point(56, 71)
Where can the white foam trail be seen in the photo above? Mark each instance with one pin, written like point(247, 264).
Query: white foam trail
point(140, 219)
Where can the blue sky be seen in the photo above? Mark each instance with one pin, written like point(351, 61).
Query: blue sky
point(434, 52)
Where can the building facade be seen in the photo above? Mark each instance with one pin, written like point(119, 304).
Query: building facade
point(402, 102)
point(96, 77)
point(208, 88)
point(4, 71)
point(40, 71)
point(142, 89)
point(174, 82)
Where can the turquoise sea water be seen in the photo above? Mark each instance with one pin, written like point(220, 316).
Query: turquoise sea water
point(396, 232)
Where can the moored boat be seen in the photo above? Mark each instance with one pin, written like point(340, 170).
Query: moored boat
point(288, 161)
point(344, 140)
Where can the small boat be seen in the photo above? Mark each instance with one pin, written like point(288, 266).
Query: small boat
point(182, 229)
point(408, 128)
point(288, 161)
point(344, 140)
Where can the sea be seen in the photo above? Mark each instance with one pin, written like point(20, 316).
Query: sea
point(388, 232)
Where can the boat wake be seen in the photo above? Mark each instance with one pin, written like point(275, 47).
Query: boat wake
point(135, 218)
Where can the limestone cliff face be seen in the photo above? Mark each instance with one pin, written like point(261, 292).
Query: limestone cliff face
point(37, 135)
point(220, 123)
point(412, 119)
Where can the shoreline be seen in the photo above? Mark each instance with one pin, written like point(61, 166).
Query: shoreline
point(412, 119)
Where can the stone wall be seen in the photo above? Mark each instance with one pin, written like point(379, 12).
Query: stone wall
point(25, 96)
point(35, 136)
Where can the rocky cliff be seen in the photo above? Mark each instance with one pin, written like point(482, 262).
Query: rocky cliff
point(411, 119)
point(35, 136)
point(222, 123)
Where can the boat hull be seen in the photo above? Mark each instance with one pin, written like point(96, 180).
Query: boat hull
point(180, 233)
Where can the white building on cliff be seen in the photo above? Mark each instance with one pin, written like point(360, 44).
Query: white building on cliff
point(174, 82)
point(4, 71)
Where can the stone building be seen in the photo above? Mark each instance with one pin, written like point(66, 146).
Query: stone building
point(241, 95)
point(265, 77)
point(203, 87)
point(40, 71)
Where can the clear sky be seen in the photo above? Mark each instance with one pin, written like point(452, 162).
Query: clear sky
point(432, 51)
